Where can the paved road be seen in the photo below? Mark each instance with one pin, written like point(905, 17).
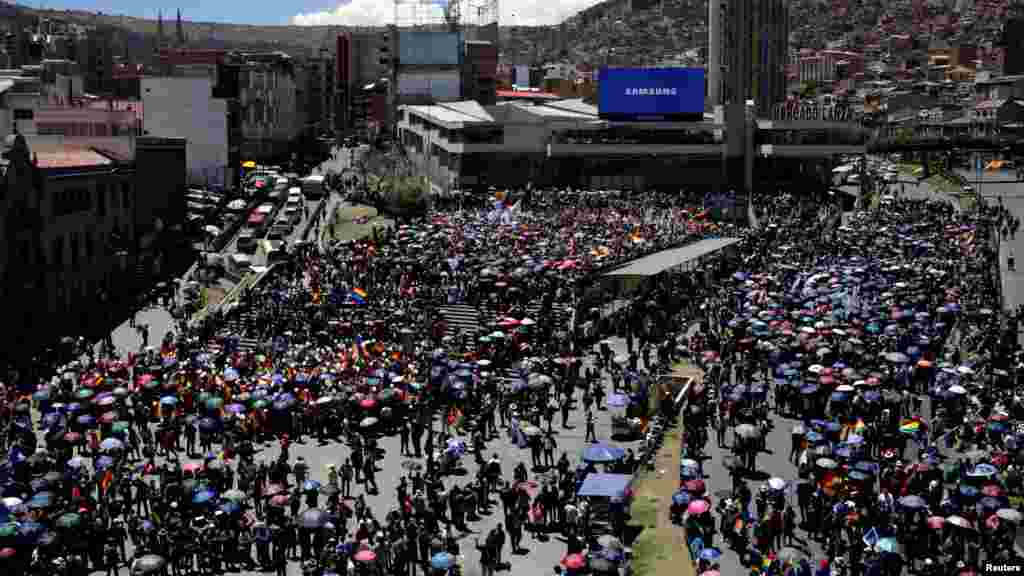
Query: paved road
point(541, 556)
point(1012, 197)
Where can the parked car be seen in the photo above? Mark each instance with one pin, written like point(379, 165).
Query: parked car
point(279, 232)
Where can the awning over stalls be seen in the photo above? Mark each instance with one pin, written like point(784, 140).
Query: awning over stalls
point(667, 259)
point(605, 485)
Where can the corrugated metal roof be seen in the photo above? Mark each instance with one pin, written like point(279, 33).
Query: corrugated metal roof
point(552, 112)
point(449, 116)
point(576, 105)
point(470, 108)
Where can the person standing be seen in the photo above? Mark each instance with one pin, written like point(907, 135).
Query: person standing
point(591, 431)
point(369, 476)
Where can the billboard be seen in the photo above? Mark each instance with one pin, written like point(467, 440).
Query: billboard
point(437, 85)
point(423, 48)
point(656, 92)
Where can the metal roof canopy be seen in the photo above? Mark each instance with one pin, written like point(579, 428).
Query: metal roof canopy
point(666, 259)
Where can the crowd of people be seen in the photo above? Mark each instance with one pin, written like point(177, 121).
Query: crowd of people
point(881, 339)
point(880, 346)
point(178, 459)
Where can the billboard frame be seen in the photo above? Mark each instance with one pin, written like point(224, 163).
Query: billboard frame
point(648, 117)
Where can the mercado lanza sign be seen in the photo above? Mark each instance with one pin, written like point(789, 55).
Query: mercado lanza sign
point(651, 92)
point(826, 113)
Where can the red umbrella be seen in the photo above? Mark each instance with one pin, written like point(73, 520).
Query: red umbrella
point(574, 561)
point(695, 486)
point(192, 467)
point(7, 553)
point(274, 489)
point(280, 501)
point(365, 556)
point(72, 437)
point(367, 403)
point(992, 490)
point(992, 522)
point(108, 417)
point(936, 522)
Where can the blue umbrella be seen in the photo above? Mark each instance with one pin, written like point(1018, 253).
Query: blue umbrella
point(230, 374)
point(617, 400)
point(86, 420)
point(204, 496)
point(168, 401)
point(710, 554)
point(111, 444)
point(230, 507)
point(913, 502)
point(681, 498)
point(603, 453)
point(104, 462)
point(983, 470)
point(809, 389)
point(442, 561)
point(310, 485)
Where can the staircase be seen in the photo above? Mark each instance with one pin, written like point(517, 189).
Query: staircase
point(461, 317)
point(241, 324)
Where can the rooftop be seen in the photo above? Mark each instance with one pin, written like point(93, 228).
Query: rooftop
point(453, 115)
point(56, 152)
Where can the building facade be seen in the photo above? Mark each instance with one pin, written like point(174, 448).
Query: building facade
point(71, 216)
point(184, 107)
point(271, 122)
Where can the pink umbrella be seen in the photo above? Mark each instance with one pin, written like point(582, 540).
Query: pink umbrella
point(992, 522)
point(698, 507)
point(365, 556)
point(192, 467)
point(936, 522)
point(367, 403)
point(711, 573)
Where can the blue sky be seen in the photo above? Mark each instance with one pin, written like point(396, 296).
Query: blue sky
point(336, 12)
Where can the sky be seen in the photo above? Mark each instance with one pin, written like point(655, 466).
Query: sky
point(309, 12)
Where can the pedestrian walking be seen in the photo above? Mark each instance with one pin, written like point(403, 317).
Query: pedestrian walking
point(591, 428)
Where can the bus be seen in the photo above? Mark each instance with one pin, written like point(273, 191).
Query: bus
point(313, 186)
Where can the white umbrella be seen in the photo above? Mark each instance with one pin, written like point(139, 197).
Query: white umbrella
point(815, 368)
point(958, 389)
point(776, 483)
point(211, 230)
point(844, 388)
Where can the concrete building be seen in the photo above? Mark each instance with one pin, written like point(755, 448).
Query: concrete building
point(756, 78)
point(184, 107)
point(88, 121)
point(716, 49)
point(428, 67)
point(96, 58)
point(267, 97)
point(319, 93)
point(73, 215)
point(479, 72)
point(826, 67)
point(364, 63)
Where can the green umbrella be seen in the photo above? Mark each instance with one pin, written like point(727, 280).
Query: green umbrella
point(8, 530)
point(259, 404)
point(84, 394)
point(120, 427)
point(214, 403)
point(69, 520)
point(203, 397)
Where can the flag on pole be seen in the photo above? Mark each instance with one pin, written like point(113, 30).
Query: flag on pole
point(106, 481)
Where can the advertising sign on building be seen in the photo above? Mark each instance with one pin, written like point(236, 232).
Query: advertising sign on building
point(651, 93)
point(426, 48)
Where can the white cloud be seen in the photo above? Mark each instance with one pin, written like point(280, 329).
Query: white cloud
point(381, 12)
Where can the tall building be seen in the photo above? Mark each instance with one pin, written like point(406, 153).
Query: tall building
point(755, 78)
point(1013, 44)
point(716, 47)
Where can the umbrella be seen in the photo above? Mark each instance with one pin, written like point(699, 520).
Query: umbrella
point(913, 502)
point(442, 561)
point(960, 522)
point(603, 453)
point(365, 556)
point(234, 496)
point(776, 483)
point(826, 463)
point(748, 431)
point(368, 422)
point(69, 520)
point(148, 564)
point(936, 522)
point(696, 507)
point(574, 561)
point(710, 554)
point(310, 485)
point(790, 555)
point(111, 444)
point(1009, 514)
point(204, 496)
point(279, 501)
point(313, 518)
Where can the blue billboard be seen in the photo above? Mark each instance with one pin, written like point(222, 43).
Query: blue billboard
point(655, 92)
point(427, 48)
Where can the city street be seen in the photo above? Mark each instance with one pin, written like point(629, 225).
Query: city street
point(1011, 195)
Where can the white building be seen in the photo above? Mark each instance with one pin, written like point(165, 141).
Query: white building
point(184, 107)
